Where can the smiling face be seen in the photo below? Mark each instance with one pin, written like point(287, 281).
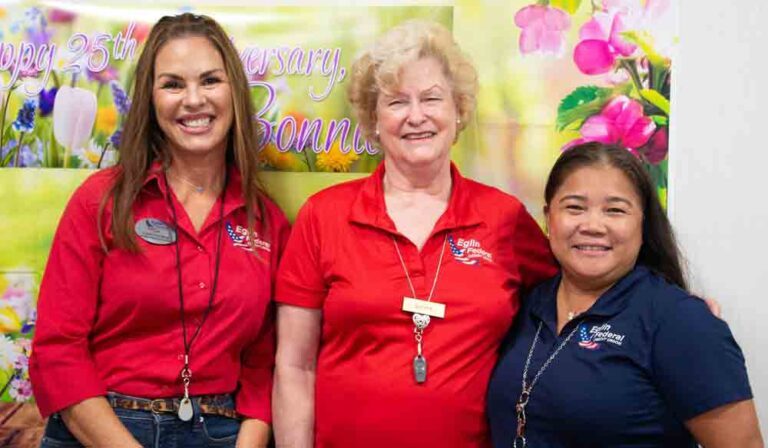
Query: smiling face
point(416, 120)
point(191, 96)
point(595, 221)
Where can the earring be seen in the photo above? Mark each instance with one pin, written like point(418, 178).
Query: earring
point(377, 132)
point(458, 121)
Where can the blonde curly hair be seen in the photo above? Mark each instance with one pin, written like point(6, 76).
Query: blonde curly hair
point(379, 67)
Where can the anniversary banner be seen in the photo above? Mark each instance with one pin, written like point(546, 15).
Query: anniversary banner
point(552, 73)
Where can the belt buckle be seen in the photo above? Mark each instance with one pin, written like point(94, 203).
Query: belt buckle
point(157, 406)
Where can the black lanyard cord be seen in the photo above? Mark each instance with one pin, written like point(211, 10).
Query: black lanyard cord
point(188, 345)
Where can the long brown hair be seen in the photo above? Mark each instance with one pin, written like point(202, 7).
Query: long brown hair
point(143, 142)
point(659, 251)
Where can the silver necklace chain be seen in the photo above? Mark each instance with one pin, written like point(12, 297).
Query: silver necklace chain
point(408, 276)
point(525, 393)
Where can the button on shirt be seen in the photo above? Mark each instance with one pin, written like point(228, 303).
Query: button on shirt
point(341, 259)
point(644, 359)
point(111, 321)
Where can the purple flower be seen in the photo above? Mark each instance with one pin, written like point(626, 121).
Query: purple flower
point(25, 120)
point(122, 102)
point(107, 75)
point(31, 156)
point(115, 138)
point(46, 101)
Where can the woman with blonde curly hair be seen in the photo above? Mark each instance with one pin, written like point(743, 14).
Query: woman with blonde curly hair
point(154, 323)
point(395, 290)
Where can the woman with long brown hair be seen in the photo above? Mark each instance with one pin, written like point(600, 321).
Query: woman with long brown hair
point(154, 322)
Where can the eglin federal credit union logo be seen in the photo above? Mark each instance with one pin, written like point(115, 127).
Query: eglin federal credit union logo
point(468, 251)
point(240, 238)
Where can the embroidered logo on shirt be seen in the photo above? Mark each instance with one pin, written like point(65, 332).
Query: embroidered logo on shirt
point(240, 238)
point(469, 252)
point(598, 333)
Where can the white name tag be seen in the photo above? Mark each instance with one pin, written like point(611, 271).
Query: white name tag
point(433, 309)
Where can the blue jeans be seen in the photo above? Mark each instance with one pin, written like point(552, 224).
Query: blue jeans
point(156, 430)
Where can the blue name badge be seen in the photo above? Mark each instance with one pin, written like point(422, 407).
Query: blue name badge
point(155, 231)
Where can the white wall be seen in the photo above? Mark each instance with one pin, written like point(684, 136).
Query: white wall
point(719, 167)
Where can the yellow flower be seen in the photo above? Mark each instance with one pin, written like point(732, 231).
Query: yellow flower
point(283, 161)
point(9, 320)
point(335, 161)
point(106, 120)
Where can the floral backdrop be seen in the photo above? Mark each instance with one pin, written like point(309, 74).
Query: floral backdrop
point(553, 73)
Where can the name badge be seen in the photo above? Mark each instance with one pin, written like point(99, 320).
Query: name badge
point(155, 231)
point(433, 309)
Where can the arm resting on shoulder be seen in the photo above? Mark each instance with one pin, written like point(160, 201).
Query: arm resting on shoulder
point(293, 396)
point(254, 433)
point(94, 423)
point(734, 424)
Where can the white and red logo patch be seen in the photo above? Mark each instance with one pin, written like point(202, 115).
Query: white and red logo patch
point(240, 238)
point(468, 251)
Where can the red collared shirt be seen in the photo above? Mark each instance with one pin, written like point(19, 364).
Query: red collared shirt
point(341, 259)
point(111, 321)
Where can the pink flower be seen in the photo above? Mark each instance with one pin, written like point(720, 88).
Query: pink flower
point(601, 43)
point(58, 15)
point(656, 149)
point(543, 28)
point(621, 122)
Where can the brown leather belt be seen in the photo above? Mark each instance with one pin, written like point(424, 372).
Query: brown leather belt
point(208, 404)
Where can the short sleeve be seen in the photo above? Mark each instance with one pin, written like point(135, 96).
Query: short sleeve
point(300, 279)
point(534, 258)
point(697, 364)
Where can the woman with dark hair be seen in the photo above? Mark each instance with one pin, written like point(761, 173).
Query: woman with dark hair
point(614, 351)
point(154, 323)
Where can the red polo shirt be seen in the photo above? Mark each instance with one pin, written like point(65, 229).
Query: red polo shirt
point(341, 259)
point(111, 321)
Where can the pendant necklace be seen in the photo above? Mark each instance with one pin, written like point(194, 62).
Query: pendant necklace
point(421, 309)
point(525, 393)
point(199, 189)
point(186, 411)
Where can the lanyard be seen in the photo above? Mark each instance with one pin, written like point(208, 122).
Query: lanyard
point(525, 393)
point(185, 405)
point(420, 321)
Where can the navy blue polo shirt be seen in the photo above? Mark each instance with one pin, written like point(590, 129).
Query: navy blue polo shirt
point(644, 359)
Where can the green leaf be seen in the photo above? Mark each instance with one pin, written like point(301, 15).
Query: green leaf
point(569, 6)
point(581, 103)
point(644, 40)
point(657, 99)
point(660, 120)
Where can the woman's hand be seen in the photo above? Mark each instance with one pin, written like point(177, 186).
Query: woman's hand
point(94, 423)
point(253, 433)
point(293, 395)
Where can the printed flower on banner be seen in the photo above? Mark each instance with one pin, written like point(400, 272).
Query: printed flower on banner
point(107, 75)
point(46, 99)
point(106, 120)
point(29, 155)
point(74, 113)
point(120, 98)
point(621, 122)
point(25, 120)
point(279, 160)
point(95, 156)
point(8, 352)
point(543, 29)
point(629, 42)
point(335, 160)
point(115, 138)
point(58, 15)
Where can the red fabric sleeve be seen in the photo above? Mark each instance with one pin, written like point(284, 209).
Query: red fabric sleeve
point(300, 279)
point(61, 367)
point(254, 394)
point(534, 258)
